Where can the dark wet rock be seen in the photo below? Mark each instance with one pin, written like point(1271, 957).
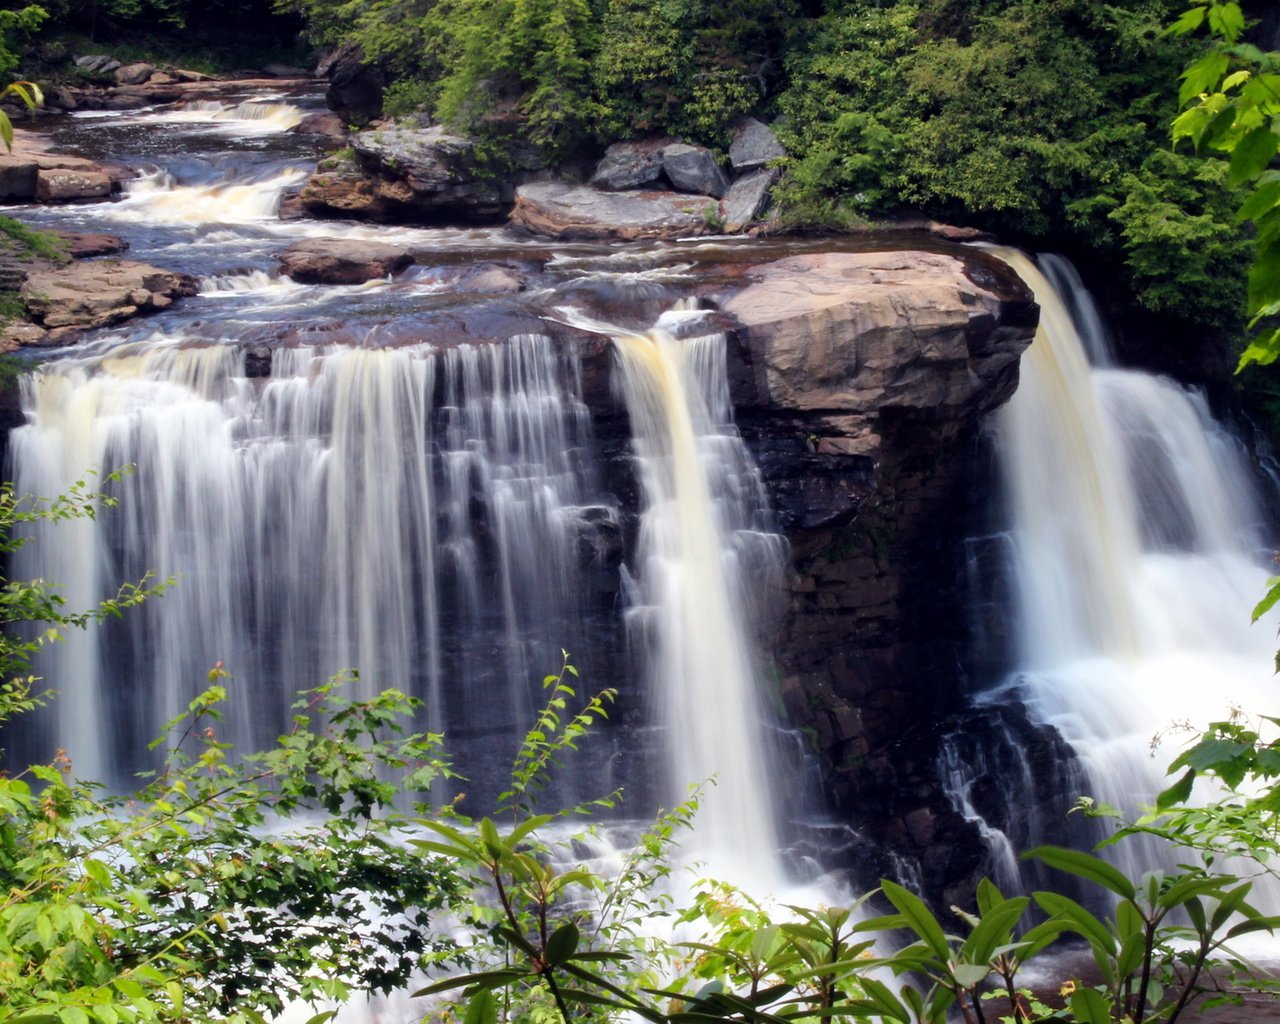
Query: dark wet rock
point(134, 74)
point(257, 361)
point(341, 261)
point(747, 198)
point(62, 97)
point(60, 185)
point(630, 165)
point(561, 210)
point(18, 177)
point(355, 87)
point(754, 145)
point(99, 293)
point(693, 169)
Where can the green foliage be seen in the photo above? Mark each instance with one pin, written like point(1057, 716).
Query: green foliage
point(1232, 94)
point(197, 895)
point(15, 26)
point(1038, 119)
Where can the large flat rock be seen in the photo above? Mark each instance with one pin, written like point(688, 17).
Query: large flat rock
point(560, 210)
point(101, 293)
point(865, 333)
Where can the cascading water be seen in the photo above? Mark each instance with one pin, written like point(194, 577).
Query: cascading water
point(1136, 559)
point(403, 511)
point(699, 541)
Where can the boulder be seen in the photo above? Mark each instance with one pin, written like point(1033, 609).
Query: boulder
point(912, 332)
point(693, 169)
point(18, 177)
point(134, 74)
point(560, 210)
point(754, 145)
point(355, 87)
point(330, 126)
point(62, 97)
point(747, 198)
point(60, 185)
point(83, 245)
point(630, 165)
point(442, 170)
point(183, 75)
point(101, 292)
point(341, 261)
point(408, 173)
point(97, 64)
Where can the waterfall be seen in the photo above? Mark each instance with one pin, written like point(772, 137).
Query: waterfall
point(1137, 558)
point(699, 543)
point(413, 513)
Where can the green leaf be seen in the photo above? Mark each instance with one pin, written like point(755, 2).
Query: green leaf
point(1190, 21)
point(1083, 865)
point(1089, 1006)
point(918, 917)
point(1253, 154)
point(562, 943)
point(482, 1009)
point(1076, 918)
point(1273, 584)
point(1178, 792)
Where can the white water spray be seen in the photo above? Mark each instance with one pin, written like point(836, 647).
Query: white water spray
point(696, 547)
point(1137, 559)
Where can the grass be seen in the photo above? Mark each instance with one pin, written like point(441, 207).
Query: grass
point(21, 241)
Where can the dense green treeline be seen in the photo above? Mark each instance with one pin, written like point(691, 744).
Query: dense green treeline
point(1045, 120)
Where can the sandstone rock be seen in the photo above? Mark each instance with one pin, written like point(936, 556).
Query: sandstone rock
point(134, 74)
point(101, 292)
point(17, 334)
point(754, 145)
point(747, 198)
point(183, 75)
point(862, 332)
point(955, 233)
point(328, 125)
point(577, 211)
point(62, 185)
point(693, 169)
point(18, 177)
point(341, 261)
point(162, 78)
point(97, 64)
point(83, 245)
point(630, 165)
point(479, 278)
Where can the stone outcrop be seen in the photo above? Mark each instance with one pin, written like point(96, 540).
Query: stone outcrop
point(560, 210)
point(630, 165)
point(409, 173)
point(101, 293)
point(341, 261)
point(754, 145)
point(355, 87)
point(63, 184)
point(693, 169)
point(860, 381)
